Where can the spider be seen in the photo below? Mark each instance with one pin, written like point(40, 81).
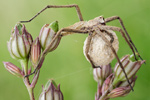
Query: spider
point(95, 26)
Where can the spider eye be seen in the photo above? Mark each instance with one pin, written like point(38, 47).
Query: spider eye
point(102, 20)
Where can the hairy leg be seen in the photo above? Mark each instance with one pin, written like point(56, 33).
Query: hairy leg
point(87, 47)
point(122, 33)
point(57, 6)
point(128, 36)
point(110, 35)
point(113, 50)
point(58, 34)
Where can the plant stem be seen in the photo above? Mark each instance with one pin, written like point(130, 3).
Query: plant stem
point(30, 88)
point(24, 64)
point(31, 93)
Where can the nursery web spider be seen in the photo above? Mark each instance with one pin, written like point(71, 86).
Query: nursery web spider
point(98, 26)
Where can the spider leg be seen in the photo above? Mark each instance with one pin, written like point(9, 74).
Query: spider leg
point(87, 47)
point(88, 41)
point(122, 33)
point(121, 22)
point(110, 35)
point(58, 34)
point(57, 6)
point(113, 50)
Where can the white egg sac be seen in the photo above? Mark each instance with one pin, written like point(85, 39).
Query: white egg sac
point(100, 53)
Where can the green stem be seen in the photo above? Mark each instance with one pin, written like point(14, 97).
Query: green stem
point(24, 64)
point(31, 93)
point(115, 81)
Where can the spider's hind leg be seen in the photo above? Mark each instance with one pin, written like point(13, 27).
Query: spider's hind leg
point(113, 28)
point(87, 47)
point(128, 36)
point(97, 30)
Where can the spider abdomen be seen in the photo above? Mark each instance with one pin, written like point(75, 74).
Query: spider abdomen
point(100, 53)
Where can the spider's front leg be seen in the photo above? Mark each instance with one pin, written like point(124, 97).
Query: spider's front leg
point(58, 34)
point(57, 6)
point(128, 36)
point(90, 48)
point(113, 28)
point(87, 47)
point(97, 30)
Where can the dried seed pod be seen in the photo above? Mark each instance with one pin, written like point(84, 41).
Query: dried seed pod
point(100, 53)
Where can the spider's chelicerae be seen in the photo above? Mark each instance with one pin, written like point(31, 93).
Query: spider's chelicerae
point(101, 44)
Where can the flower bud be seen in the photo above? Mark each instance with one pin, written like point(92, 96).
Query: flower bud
point(130, 68)
point(19, 43)
point(107, 83)
point(126, 84)
point(47, 33)
point(35, 52)
point(100, 74)
point(99, 92)
point(51, 92)
point(99, 52)
point(119, 92)
point(132, 58)
point(13, 69)
point(122, 89)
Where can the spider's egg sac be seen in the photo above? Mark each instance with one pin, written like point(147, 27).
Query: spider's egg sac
point(100, 53)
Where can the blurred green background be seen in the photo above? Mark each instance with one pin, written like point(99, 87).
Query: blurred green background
point(67, 64)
